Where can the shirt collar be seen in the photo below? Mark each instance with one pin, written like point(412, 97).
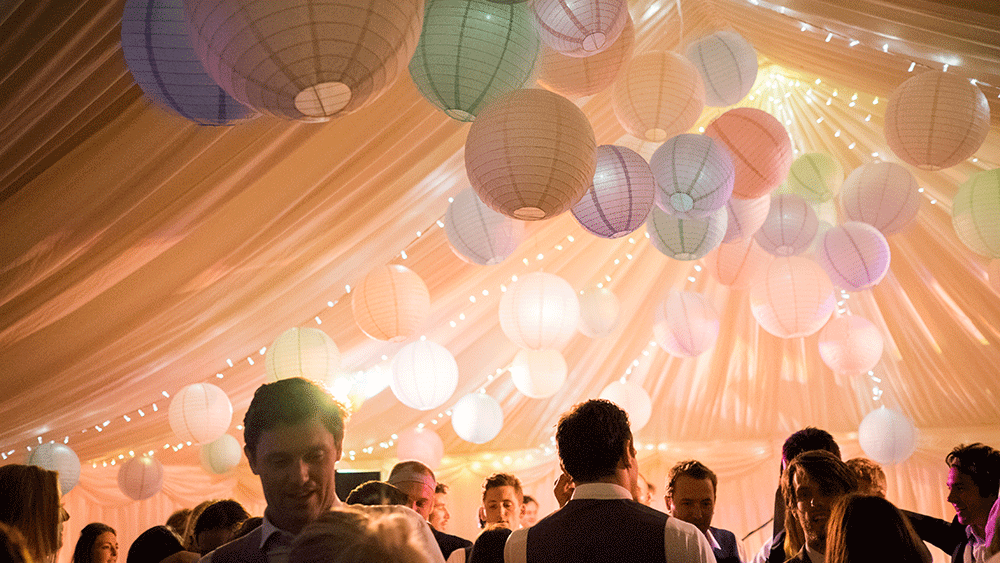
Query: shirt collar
point(268, 529)
point(601, 491)
point(814, 556)
point(712, 541)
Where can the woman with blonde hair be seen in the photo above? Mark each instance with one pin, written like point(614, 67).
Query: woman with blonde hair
point(345, 535)
point(30, 503)
point(867, 529)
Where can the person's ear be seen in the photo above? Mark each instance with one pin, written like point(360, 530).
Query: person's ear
point(482, 513)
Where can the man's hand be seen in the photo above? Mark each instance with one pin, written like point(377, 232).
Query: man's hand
point(563, 489)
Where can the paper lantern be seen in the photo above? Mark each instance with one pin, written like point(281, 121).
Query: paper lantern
point(538, 374)
point(632, 399)
point(855, 255)
point(659, 94)
point(580, 28)
point(140, 477)
point(599, 309)
point(421, 444)
point(472, 51)
point(302, 352)
point(424, 375)
point(530, 154)
point(576, 77)
point(759, 146)
point(727, 64)
point(390, 303)
point(308, 60)
point(975, 213)
point(736, 263)
point(686, 324)
point(745, 217)
point(200, 413)
point(477, 418)
point(792, 297)
point(887, 436)
point(686, 239)
point(993, 273)
point(58, 457)
point(621, 195)
point(789, 228)
point(477, 234)
point(694, 174)
point(539, 311)
point(850, 345)
point(816, 177)
point(936, 120)
point(221, 456)
point(882, 194)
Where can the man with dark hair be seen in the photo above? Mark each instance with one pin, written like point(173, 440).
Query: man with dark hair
point(602, 523)
point(418, 482)
point(871, 478)
point(503, 501)
point(375, 493)
point(811, 484)
point(217, 525)
point(440, 513)
point(691, 490)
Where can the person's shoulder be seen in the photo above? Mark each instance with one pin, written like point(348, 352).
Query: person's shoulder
point(719, 532)
point(449, 541)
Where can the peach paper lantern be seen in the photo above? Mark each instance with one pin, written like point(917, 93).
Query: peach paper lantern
point(745, 217)
point(887, 436)
point(816, 177)
point(936, 120)
point(424, 375)
point(850, 345)
point(302, 352)
point(538, 374)
point(200, 413)
point(221, 456)
point(686, 239)
point(759, 146)
point(659, 94)
point(580, 28)
point(621, 195)
point(421, 444)
point(140, 477)
point(530, 154)
point(855, 255)
point(576, 77)
point(882, 194)
point(58, 457)
point(728, 65)
point(686, 324)
point(792, 297)
point(599, 310)
point(975, 213)
point(736, 263)
point(539, 311)
point(390, 303)
point(633, 399)
point(789, 228)
point(477, 418)
point(477, 234)
point(694, 175)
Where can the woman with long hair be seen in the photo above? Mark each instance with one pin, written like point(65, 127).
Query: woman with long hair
point(30, 502)
point(866, 529)
point(98, 543)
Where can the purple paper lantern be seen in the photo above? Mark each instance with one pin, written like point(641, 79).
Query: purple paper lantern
point(621, 195)
point(855, 255)
point(694, 174)
point(789, 228)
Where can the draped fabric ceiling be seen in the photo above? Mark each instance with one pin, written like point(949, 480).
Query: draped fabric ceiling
point(142, 253)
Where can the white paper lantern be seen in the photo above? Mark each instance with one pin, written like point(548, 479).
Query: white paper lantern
point(736, 263)
point(580, 28)
point(424, 375)
point(421, 444)
point(621, 195)
point(686, 324)
point(222, 455)
point(882, 194)
point(816, 177)
point(789, 228)
point(200, 413)
point(694, 175)
point(478, 234)
point(302, 352)
point(539, 311)
point(727, 63)
point(599, 309)
point(140, 477)
point(975, 213)
point(887, 436)
point(745, 217)
point(538, 374)
point(792, 297)
point(58, 457)
point(477, 418)
point(632, 399)
point(855, 255)
point(686, 239)
point(850, 345)
point(390, 303)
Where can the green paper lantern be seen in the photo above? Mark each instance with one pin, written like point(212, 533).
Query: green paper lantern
point(471, 52)
point(975, 213)
point(815, 177)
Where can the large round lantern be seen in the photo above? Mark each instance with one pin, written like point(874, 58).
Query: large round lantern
point(221, 456)
point(789, 228)
point(633, 399)
point(58, 457)
point(477, 234)
point(539, 311)
point(792, 297)
point(162, 59)
point(421, 444)
point(575, 77)
point(855, 255)
point(686, 324)
point(816, 177)
point(200, 413)
point(936, 120)
point(477, 418)
point(424, 375)
point(759, 146)
point(850, 345)
point(530, 154)
point(887, 436)
point(140, 477)
point(304, 60)
point(686, 239)
point(659, 94)
point(975, 213)
point(538, 374)
point(621, 195)
point(728, 65)
point(302, 352)
point(390, 303)
point(736, 263)
point(472, 51)
point(580, 28)
point(882, 194)
point(599, 310)
point(694, 175)
point(745, 217)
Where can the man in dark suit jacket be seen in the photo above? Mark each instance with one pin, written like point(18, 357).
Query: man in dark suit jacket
point(690, 496)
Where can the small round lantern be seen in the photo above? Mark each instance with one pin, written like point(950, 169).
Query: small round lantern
point(140, 477)
point(792, 297)
point(659, 94)
point(424, 375)
point(302, 352)
point(694, 174)
point(580, 28)
point(727, 64)
point(745, 217)
point(736, 263)
point(530, 154)
point(621, 195)
point(477, 234)
point(887, 436)
point(599, 309)
point(538, 374)
point(477, 418)
point(221, 456)
point(58, 457)
point(686, 324)
point(855, 255)
point(576, 77)
point(539, 311)
point(421, 444)
point(882, 194)
point(850, 345)
point(975, 213)
point(390, 303)
point(686, 239)
point(633, 399)
point(200, 413)
point(816, 177)
point(759, 146)
point(789, 228)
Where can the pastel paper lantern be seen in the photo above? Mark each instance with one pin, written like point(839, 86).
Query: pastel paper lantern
point(855, 255)
point(745, 217)
point(308, 60)
point(421, 444)
point(424, 375)
point(472, 51)
point(659, 94)
point(936, 120)
point(759, 146)
point(975, 213)
point(57, 457)
point(580, 28)
point(850, 345)
point(993, 273)
point(736, 263)
point(686, 239)
point(538, 374)
point(694, 174)
point(140, 477)
point(200, 413)
point(161, 57)
point(632, 399)
point(477, 234)
point(887, 436)
point(530, 154)
point(302, 352)
point(599, 312)
point(221, 456)
point(539, 311)
point(477, 418)
point(816, 177)
point(728, 65)
point(390, 303)
point(686, 324)
point(882, 194)
point(576, 77)
point(621, 195)
point(792, 297)
point(789, 228)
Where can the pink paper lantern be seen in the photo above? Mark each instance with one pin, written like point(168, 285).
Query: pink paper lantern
point(759, 146)
point(576, 77)
point(200, 413)
point(850, 345)
point(538, 374)
point(789, 228)
point(633, 399)
point(621, 195)
point(727, 63)
point(421, 444)
point(539, 311)
point(580, 28)
point(882, 194)
point(694, 175)
point(477, 234)
point(745, 217)
point(140, 477)
point(792, 297)
point(736, 263)
point(685, 239)
point(686, 324)
point(390, 303)
point(855, 255)
point(659, 94)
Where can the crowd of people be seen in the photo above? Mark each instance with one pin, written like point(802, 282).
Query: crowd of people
point(826, 510)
